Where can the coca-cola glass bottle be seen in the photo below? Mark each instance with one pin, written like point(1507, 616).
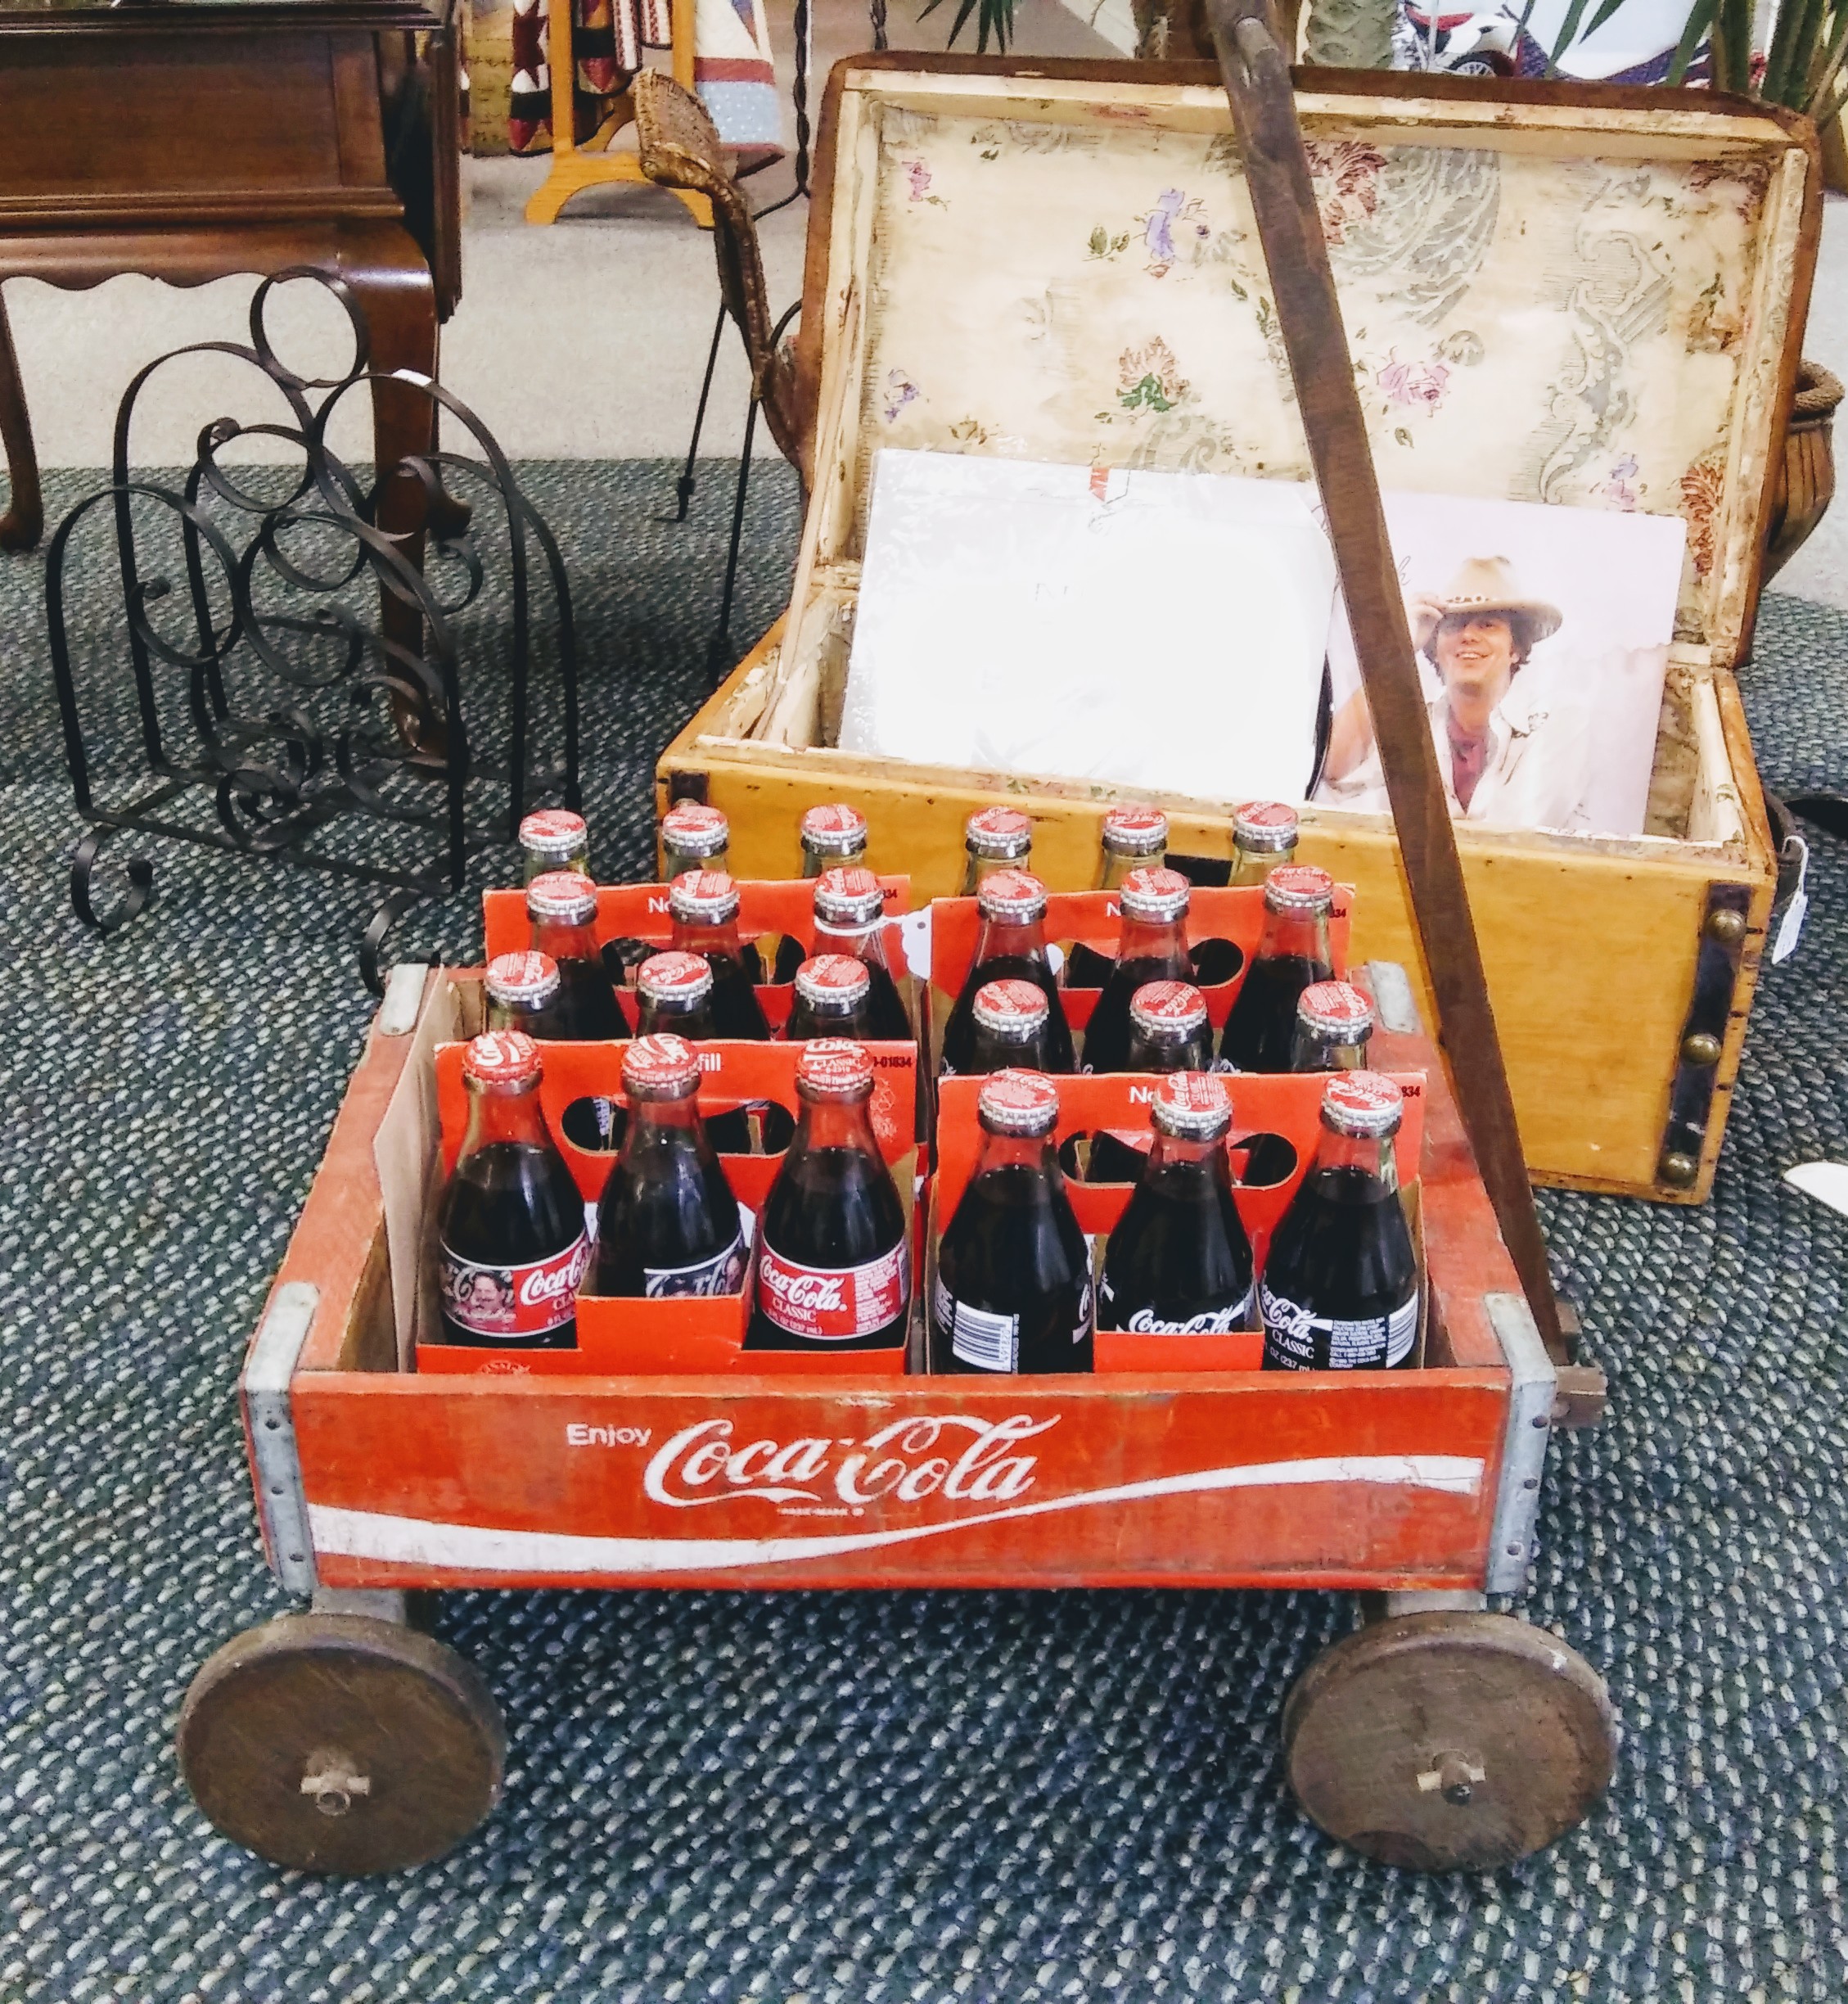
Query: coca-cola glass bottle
point(1334, 1021)
point(510, 1244)
point(1013, 1280)
point(523, 990)
point(833, 1263)
point(1010, 945)
point(1340, 1281)
point(1132, 838)
point(562, 907)
point(1180, 1262)
point(704, 907)
point(1168, 1032)
point(694, 837)
point(996, 838)
point(833, 837)
point(1263, 835)
point(673, 998)
point(1292, 954)
point(1011, 1020)
point(1151, 946)
point(667, 1223)
point(850, 918)
point(833, 995)
point(554, 838)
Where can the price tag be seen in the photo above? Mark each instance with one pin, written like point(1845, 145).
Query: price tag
point(914, 929)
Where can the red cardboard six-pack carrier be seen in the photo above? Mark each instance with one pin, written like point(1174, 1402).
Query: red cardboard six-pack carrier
point(661, 1452)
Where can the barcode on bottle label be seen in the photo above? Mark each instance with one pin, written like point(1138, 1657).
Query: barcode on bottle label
point(978, 1338)
point(1299, 1340)
point(513, 1304)
point(722, 1273)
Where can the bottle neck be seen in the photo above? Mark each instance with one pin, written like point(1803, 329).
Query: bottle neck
point(1166, 1053)
point(1021, 939)
point(1296, 935)
point(1152, 938)
point(835, 1124)
point(1180, 1151)
point(518, 1015)
point(707, 937)
point(676, 862)
point(689, 1019)
point(1005, 1151)
point(1322, 1054)
point(866, 942)
point(980, 868)
point(1251, 866)
point(661, 1120)
point(538, 865)
point(1374, 1154)
point(814, 861)
point(496, 1113)
point(564, 941)
point(1117, 866)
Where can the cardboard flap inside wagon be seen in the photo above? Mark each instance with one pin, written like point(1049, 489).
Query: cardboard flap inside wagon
point(1568, 297)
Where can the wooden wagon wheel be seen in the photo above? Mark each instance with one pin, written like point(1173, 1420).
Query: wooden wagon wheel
point(338, 1742)
point(1449, 1741)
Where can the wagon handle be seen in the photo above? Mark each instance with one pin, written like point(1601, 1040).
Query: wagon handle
point(1263, 115)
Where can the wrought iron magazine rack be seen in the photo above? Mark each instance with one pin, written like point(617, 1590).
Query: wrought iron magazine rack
point(308, 682)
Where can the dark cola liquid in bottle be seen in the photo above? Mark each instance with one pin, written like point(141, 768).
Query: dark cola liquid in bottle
point(673, 998)
point(833, 998)
point(668, 1224)
point(1131, 838)
point(1264, 836)
point(994, 838)
point(1334, 1021)
point(1152, 947)
point(833, 837)
point(833, 1262)
point(561, 909)
point(1292, 954)
point(511, 1245)
point(850, 918)
point(1341, 1282)
point(554, 838)
point(1010, 1019)
point(1013, 1289)
point(522, 990)
point(698, 838)
point(1010, 945)
point(704, 907)
point(1180, 1262)
point(1168, 1032)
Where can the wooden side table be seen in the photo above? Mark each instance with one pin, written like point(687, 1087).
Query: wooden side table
point(190, 140)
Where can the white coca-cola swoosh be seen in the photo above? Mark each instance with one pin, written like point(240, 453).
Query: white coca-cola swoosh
point(478, 1548)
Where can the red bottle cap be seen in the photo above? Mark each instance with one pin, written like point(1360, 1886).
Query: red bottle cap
point(1335, 1010)
point(835, 981)
point(1363, 1103)
point(1154, 894)
point(660, 1067)
point(848, 895)
point(526, 978)
point(703, 897)
point(691, 828)
point(1002, 832)
point(1018, 1103)
point(553, 832)
point(1193, 1106)
point(837, 830)
point(1265, 826)
point(567, 897)
point(1135, 831)
point(1017, 1009)
point(834, 1068)
point(1171, 1008)
point(502, 1057)
point(673, 978)
point(1012, 894)
point(1299, 887)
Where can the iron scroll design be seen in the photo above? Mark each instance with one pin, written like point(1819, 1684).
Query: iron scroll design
point(299, 691)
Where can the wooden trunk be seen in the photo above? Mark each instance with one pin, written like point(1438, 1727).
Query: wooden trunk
point(1636, 275)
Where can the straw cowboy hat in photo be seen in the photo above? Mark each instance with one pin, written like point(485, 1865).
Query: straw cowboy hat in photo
point(1487, 585)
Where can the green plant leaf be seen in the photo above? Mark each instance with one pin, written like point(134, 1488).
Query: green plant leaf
point(1700, 21)
point(1828, 67)
point(1568, 34)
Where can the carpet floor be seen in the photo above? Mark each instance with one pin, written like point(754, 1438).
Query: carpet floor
point(814, 1798)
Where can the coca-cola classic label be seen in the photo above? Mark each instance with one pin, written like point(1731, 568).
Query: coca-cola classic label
point(834, 1304)
point(513, 1304)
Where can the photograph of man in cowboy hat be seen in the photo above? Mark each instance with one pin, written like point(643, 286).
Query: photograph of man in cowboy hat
point(1506, 761)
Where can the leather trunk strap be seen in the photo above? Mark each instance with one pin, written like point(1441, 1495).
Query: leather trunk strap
point(1264, 111)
